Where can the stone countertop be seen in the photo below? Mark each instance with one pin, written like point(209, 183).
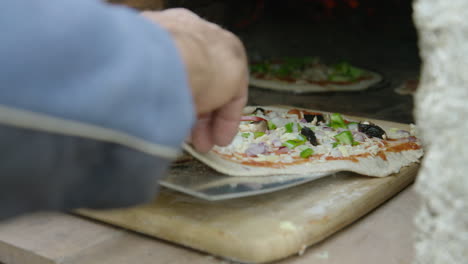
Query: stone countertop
point(384, 236)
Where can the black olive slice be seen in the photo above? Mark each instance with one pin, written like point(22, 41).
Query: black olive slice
point(258, 109)
point(371, 130)
point(310, 135)
point(310, 118)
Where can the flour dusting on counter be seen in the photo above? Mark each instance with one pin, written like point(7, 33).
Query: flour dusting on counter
point(320, 209)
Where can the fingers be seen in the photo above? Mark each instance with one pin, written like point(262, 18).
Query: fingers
point(201, 137)
point(177, 14)
point(180, 13)
point(218, 128)
point(226, 120)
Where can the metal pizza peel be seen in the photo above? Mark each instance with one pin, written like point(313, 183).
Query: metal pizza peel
point(192, 177)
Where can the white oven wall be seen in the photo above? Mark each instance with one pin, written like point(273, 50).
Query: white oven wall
point(441, 111)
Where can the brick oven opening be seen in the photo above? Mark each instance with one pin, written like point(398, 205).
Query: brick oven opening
point(377, 35)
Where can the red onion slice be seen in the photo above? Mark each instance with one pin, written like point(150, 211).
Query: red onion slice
point(339, 130)
point(282, 150)
point(255, 148)
point(276, 143)
point(252, 118)
point(359, 136)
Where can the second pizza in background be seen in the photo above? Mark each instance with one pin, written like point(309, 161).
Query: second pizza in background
point(309, 75)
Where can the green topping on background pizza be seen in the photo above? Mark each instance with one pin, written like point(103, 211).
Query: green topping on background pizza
point(355, 72)
point(345, 138)
point(344, 71)
point(339, 78)
point(245, 135)
point(342, 67)
point(262, 67)
point(288, 66)
point(306, 153)
point(283, 70)
point(294, 66)
point(337, 121)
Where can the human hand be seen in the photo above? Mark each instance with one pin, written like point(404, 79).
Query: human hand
point(216, 64)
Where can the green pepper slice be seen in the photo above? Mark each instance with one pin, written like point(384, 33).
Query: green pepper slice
point(258, 134)
point(293, 143)
point(289, 127)
point(271, 125)
point(246, 135)
point(301, 137)
point(337, 121)
point(345, 138)
point(306, 153)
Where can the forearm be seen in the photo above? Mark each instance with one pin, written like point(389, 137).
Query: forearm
point(94, 102)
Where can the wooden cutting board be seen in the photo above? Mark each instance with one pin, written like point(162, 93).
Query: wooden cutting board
point(266, 227)
point(261, 228)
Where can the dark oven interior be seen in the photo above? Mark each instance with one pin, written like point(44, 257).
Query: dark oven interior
point(377, 35)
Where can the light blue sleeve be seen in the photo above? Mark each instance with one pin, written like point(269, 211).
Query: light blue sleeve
point(88, 62)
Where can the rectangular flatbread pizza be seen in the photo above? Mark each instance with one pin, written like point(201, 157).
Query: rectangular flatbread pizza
point(305, 75)
point(280, 140)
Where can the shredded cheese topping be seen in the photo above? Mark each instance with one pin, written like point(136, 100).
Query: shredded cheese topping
point(271, 146)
